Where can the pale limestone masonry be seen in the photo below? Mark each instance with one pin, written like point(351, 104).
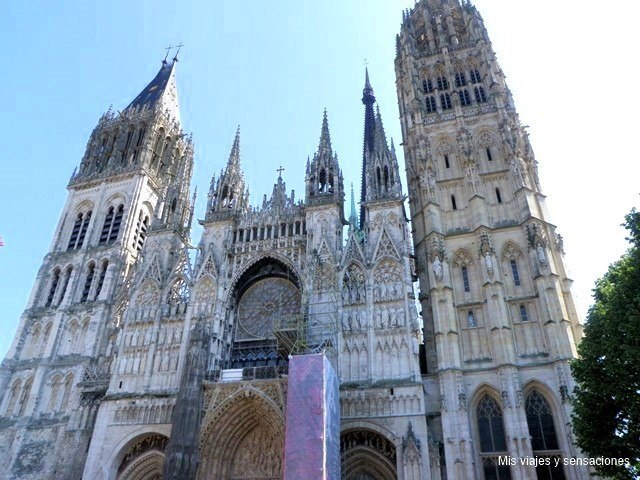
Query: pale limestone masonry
point(141, 356)
point(500, 324)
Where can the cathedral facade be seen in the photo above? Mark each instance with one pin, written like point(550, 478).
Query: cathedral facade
point(141, 356)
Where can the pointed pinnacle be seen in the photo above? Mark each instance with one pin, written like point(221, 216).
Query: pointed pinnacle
point(367, 93)
point(235, 149)
point(325, 137)
point(353, 217)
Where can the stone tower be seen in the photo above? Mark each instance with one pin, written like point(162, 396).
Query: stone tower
point(131, 184)
point(381, 387)
point(500, 324)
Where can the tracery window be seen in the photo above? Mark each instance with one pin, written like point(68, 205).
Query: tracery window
point(427, 85)
point(54, 286)
point(480, 95)
point(138, 146)
point(465, 98)
point(79, 230)
point(103, 274)
point(88, 281)
point(524, 316)
point(493, 443)
point(461, 79)
point(465, 279)
point(544, 441)
point(445, 101)
point(111, 226)
point(442, 82)
point(127, 145)
point(179, 293)
point(65, 283)
point(431, 104)
point(515, 272)
point(474, 73)
point(141, 231)
point(157, 149)
point(73, 240)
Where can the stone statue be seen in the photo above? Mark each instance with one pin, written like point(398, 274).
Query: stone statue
point(488, 261)
point(542, 256)
point(437, 268)
point(431, 178)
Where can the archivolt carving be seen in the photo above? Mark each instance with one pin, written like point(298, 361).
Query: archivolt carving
point(147, 467)
point(243, 437)
point(220, 397)
point(249, 262)
point(367, 455)
point(144, 459)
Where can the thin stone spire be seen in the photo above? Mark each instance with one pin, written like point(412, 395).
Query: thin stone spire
point(353, 216)
point(234, 156)
point(325, 136)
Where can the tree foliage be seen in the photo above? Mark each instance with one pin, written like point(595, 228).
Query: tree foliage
point(606, 417)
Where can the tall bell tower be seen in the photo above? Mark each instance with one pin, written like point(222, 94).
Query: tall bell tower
point(133, 179)
point(500, 324)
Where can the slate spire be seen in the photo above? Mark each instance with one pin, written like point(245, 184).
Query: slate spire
point(368, 99)
point(380, 172)
point(160, 93)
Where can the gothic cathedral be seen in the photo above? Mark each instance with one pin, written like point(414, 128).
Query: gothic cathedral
point(140, 356)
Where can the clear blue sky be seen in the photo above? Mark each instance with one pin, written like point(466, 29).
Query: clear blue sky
point(272, 67)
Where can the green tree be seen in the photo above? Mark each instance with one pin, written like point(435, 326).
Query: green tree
point(606, 418)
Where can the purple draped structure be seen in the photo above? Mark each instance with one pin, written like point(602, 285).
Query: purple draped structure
point(312, 441)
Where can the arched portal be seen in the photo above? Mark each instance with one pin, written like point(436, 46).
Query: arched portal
point(243, 440)
point(367, 455)
point(144, 459)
